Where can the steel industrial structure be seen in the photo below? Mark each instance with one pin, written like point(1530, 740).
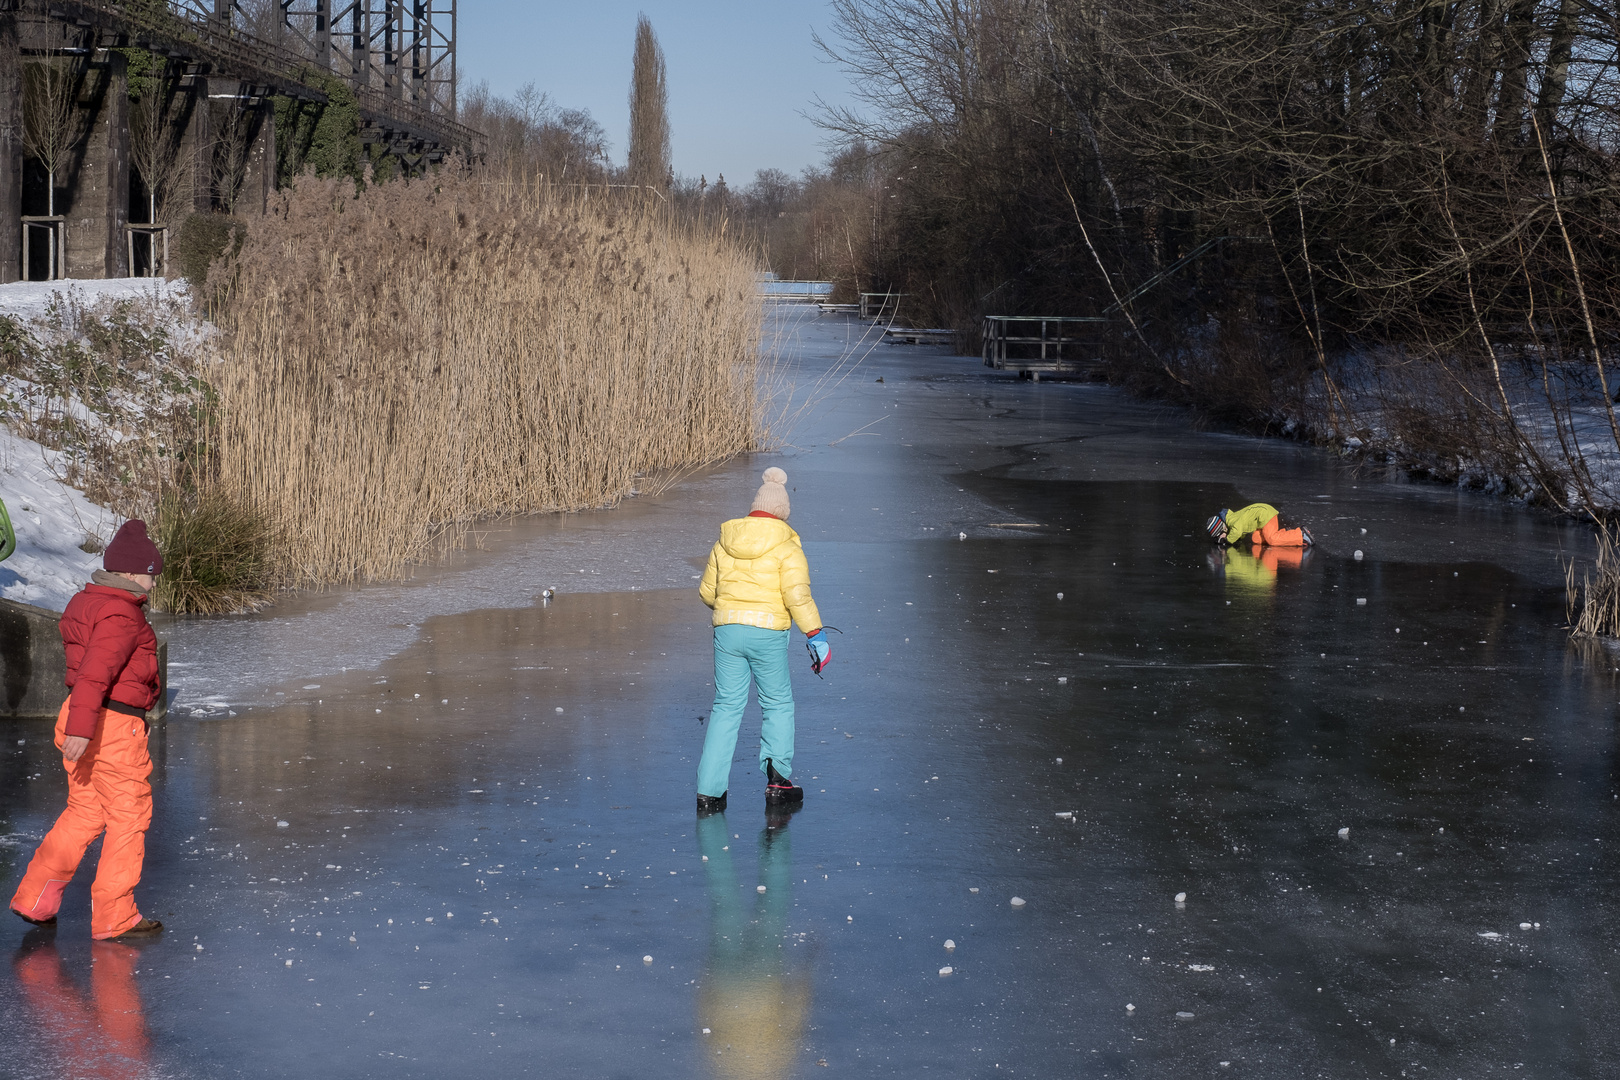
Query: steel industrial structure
point(397, 57)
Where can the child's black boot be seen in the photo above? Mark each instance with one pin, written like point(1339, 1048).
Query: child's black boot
point(711, 804)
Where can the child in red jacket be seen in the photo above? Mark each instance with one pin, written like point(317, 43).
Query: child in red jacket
point(112, 679)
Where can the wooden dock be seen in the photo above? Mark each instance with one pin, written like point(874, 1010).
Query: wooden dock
point(910, 335)
point(880, 307)
point(1033, 345)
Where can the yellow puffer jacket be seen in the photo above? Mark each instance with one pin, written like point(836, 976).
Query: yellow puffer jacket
point(758, 575)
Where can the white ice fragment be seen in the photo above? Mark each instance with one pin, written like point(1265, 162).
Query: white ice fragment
point(1361, 601)
point(199, 946)
point(1060, 761)
point(949, 944)
point(647, 959)
point(849, 918)
point(559, 708)
point(1363, 532)
point(1200, 967)
point(1181, 898)
point(1017, 901)
point(1060, 596)
point(313, 686)
point(973, 890)
point(1065, 815)
point(1130, 1008)
point(705, 858)
point(961, 536)
point(946, 970)
point(289, 963)
point(1184, 1016)
point(1490, 935)
point(759, 888)
point(1524, 926)
point(1357, 556)
point(705, 1031)
point(281, 824)
point(1063, 678)
point(1344, 833)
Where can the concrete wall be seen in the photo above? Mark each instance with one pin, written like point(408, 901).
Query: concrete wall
point(98, 200)
point(11, 148)
point(33, 665)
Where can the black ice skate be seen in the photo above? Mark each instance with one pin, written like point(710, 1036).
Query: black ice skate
point(779, 791)
point(711, 804)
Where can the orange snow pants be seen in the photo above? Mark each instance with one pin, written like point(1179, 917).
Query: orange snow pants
point(1273, 534)
point(108, 790)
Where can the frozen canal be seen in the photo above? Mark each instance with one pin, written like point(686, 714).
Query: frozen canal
point(441, 829)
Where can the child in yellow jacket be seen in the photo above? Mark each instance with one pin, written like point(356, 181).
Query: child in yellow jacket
point(758, 583)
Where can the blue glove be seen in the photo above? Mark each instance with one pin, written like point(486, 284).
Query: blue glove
point(820, 651)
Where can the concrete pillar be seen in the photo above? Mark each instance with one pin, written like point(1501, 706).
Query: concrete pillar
point(197, 146)
point(11, 149)
point(259, 177)
point(98, 198)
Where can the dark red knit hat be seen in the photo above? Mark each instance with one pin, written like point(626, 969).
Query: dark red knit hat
point(132, 552)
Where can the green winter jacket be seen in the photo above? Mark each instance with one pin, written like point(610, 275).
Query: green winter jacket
point(1240, 523)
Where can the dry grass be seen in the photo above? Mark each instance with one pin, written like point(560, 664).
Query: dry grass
point(406, 360)
point(1593, 606)
point(217, 555)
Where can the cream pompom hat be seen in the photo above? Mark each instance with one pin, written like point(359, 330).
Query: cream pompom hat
point(772, 496)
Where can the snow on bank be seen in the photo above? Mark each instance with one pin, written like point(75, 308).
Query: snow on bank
point(29, 299)
point(53, 521)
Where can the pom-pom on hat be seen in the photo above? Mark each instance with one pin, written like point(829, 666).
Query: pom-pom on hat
point(772, 496)
point(132, 551)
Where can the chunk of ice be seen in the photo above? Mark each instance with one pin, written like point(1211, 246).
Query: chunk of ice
point(1017, 901)
point(946, 970)
point(949, 944)
point(1181, 898)
point(647, 959)
point(1344, 833)
point(1184, 1015)
point(759, 888)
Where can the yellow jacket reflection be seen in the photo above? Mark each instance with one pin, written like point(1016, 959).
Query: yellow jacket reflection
point(754, 1007)
point(1255, 571)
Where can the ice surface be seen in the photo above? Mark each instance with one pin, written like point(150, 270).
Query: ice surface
point(1201, 742)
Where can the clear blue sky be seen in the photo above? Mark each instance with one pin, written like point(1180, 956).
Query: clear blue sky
point(740, 72)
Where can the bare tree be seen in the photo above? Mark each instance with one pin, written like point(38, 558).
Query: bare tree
point(155, 150)
point(53, 123)
point(649, 158)
point(232, 124)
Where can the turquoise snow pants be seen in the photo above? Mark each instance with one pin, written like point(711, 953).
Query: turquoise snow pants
point(744, 654)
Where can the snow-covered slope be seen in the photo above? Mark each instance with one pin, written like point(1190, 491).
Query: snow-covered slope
point(53, 521)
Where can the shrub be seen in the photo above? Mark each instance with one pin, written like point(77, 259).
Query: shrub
point(200, 240)
point(216, 555)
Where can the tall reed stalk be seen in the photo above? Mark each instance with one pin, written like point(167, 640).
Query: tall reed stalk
point(405, 360)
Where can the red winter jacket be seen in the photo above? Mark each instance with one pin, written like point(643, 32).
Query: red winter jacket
point(111, 655)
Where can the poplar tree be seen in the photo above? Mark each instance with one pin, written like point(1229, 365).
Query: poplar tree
point(649, 162)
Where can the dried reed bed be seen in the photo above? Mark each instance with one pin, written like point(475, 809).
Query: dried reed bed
point(1593, 605)
point(409, 359)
